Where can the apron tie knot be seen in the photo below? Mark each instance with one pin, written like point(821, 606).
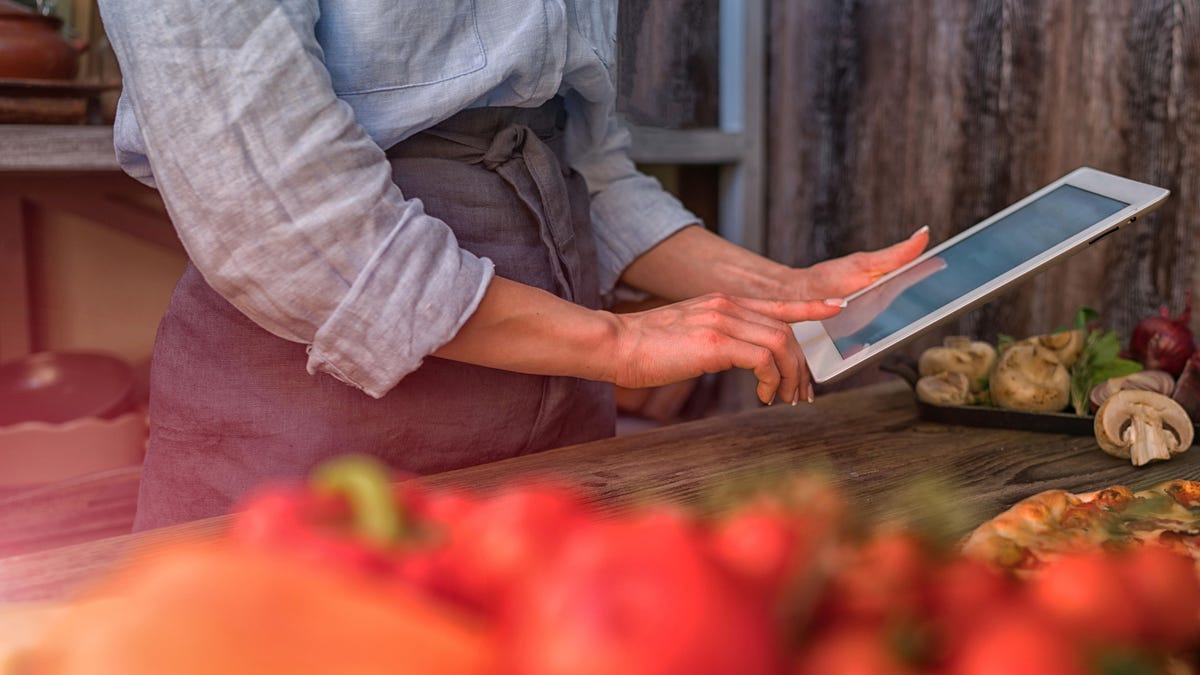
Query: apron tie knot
point(506, 143)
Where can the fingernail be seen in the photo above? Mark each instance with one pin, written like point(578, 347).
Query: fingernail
point(835, 302)
point(772, 399)
point(810, 392)
point(923, 229)
point(796, 396)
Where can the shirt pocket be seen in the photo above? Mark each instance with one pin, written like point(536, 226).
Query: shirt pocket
point(374, 45)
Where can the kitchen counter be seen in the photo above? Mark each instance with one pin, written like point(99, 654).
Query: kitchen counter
point(870, 441)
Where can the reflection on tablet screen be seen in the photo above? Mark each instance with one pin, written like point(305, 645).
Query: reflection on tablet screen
point(967, 265)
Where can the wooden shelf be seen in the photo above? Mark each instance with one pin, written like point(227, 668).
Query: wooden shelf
point(57, 148)
point(692, 146)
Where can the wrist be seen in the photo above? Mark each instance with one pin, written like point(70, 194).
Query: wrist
point(600, 347)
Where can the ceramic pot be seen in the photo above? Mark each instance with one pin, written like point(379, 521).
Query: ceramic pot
point(32, 46)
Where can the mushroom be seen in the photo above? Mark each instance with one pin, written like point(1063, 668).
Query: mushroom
point(1142, 426)
point(1030, 378)
point(1066, 345)
point(959, 354)
point(945, 389)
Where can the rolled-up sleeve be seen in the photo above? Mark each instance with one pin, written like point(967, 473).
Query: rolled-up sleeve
point(631, 212)
point(283, 202)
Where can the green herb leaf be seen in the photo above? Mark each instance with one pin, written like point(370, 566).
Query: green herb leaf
point(1099, 361)
point(1115, 368)
point(1105, 349)
point(1080, 389)
point(1084, 316)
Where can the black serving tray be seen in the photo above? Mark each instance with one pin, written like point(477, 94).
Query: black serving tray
point(990, 416)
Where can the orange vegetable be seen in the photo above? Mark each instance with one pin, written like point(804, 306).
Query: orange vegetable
point(222, 609)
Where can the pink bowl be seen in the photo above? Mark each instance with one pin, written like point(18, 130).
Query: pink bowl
point(37, 453)
point(57, 387)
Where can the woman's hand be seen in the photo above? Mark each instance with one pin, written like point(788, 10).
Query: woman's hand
point(733, 311)
point(717, 332)
point(694, 261)
point(527, 330)
point(840, 277)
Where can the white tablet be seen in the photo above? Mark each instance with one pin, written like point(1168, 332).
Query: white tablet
point(976, 265)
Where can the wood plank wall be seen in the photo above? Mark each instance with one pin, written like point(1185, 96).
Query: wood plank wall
point(885, 116)
point(667, 62)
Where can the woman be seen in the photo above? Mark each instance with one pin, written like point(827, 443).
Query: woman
point(403, 219)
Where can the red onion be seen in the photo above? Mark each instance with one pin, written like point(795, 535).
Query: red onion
point(1187, 391)
point(1145, 380)
point(1162, 343)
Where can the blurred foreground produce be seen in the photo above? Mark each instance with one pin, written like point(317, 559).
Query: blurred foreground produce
point(353, 575)
point(224, 609)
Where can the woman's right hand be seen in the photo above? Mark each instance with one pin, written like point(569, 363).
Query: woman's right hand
point(528, 330)
point(716, 332)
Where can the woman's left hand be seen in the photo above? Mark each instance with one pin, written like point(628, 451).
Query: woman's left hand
point(840, 277)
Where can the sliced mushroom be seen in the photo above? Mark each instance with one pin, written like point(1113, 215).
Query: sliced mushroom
point(1030, 378)
point(959, 354)
point(1142, 426)
point(945, 389)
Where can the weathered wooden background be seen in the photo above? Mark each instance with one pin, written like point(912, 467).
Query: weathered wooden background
point(886, 115)
point(667, 62)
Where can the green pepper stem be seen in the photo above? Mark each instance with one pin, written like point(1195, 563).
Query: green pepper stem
point(365, 484)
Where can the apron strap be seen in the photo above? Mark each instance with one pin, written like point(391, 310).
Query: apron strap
point(518, 156)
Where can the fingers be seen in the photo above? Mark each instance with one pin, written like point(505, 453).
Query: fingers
point(714, 333)
point(771, 351)
point(762, 325)
point(884, 260)
point(790, 311)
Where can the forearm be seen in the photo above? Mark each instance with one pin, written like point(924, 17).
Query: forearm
point(694, 261)
point(525, 329)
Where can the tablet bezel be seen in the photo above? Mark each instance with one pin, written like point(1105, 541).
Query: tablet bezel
point(826, 363)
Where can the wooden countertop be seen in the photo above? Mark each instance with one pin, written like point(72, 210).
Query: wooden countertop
point(869, 440)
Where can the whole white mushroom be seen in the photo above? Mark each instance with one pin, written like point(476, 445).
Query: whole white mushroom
point(1030, 378)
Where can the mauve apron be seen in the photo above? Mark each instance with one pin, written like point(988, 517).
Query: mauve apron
point(232, 406)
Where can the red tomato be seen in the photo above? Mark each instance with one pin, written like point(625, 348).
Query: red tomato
point(637, 597)
point(960, 594)
point(763, 547)
point(498, 540)
point(883, 578)
point(1017, 641)
point(1167, 591)
point(851, 650)
point(1085, 592)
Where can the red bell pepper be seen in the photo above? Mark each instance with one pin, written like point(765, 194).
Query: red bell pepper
point(346, 517)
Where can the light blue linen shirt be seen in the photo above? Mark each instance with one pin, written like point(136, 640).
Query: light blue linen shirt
point(263, 124)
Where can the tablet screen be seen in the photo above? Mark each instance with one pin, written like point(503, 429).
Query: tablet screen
point(967, 265)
